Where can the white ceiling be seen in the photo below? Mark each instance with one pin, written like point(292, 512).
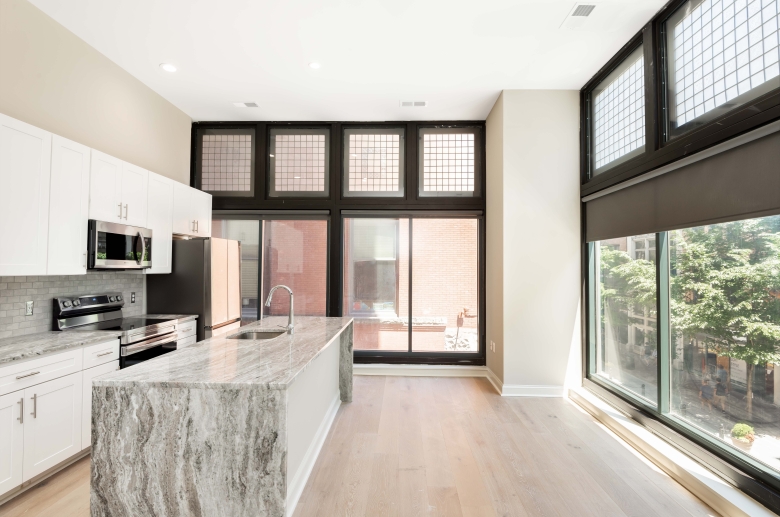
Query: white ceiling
point(456, 54)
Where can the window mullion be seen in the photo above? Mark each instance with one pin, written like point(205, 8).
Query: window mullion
point(662, 320)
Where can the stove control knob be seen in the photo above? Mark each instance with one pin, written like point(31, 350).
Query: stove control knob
point(119, 297)
point(111, 299)
point(66, 303)
point(76, 303)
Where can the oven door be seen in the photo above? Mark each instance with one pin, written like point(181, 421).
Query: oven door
point(118, 246)
point(145, 350)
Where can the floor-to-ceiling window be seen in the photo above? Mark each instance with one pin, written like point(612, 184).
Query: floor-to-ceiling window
point(681, 248)
point(381, 222)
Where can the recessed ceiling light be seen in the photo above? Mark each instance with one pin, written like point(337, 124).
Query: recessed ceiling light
point(168, 67)
point(245, 104)
point(314, 65)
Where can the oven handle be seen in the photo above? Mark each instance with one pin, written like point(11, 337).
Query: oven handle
point(146, 345)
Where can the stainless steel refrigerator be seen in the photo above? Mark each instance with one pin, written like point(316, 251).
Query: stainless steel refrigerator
point(205, 280)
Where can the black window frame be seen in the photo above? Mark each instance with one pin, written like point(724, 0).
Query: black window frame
point(660, 150)
point(337, 206)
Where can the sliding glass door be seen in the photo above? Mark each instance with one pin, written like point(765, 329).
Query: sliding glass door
point(412, 284)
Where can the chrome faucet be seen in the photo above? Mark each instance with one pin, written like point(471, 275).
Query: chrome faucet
point(290, 319)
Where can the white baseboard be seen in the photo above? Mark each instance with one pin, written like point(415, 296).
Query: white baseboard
point(297, 483)
point(420, 370)
point(523, 390)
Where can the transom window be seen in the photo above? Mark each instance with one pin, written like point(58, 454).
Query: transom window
point(226, 162)
point(298, 162)
point(619, 114)
point(373, 162)
point(719, 50)
point(449, 161)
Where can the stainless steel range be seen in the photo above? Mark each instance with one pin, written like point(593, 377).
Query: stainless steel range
point(142, 338)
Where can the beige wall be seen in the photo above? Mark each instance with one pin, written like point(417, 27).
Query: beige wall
point(52, 79)
point(494, 222)
point(536, 246)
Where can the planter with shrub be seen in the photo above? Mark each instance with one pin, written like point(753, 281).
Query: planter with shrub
point(742, 436)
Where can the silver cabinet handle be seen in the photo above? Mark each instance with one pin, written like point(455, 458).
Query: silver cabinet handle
point(27, 375)
point(21, 410)
point(126, 212)
point(35, 406)
point(105, 353)
point(197, 226)
point(120, 210)
point(85, 260)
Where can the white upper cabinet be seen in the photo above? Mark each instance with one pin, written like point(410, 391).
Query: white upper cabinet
point(25, 167)
point(68, 207)
point(160, 220)
point(117, 191)
point(135, 181)
point(183, 222)
point(191, 211)
point(202, 203)
point(105, 188)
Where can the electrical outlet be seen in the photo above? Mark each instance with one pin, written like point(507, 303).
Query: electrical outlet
point(28, 311)
point(492, 346)
point(132, 297)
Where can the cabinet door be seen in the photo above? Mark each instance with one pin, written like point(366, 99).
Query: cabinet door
point(86, 399)
point(11, 440)
point(202, 202)
point(52, 423)
point(135, 183)
point(68, 208)
point(105, 188)
point(160, 220)
point(183, 218)
point(25, 166)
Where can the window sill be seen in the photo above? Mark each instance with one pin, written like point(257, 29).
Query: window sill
point(702, 482)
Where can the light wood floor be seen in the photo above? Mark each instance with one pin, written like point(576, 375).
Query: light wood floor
point(413, 446)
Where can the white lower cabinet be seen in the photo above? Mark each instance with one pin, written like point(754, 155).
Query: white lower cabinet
point(52, 423)
point(11, 440)
point(86, 401)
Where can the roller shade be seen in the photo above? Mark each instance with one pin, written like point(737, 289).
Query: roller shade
point(740, 183)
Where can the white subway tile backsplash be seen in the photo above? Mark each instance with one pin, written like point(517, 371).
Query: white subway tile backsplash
point(16, 290)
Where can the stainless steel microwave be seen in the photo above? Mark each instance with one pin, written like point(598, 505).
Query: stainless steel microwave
point(118, 246)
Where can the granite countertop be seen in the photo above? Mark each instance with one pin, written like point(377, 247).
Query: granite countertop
point(43, 343)
point(231, 363)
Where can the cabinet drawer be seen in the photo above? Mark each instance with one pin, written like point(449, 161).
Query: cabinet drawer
point(28, 373)
point(188, 341)
point(101, 353)
point(187, 329)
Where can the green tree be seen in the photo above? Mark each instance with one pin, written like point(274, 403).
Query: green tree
point(727, 290)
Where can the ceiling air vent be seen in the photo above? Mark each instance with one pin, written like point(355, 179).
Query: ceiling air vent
point(583, 10)
point(245, 104)
point(581, 17)
point(414, 104)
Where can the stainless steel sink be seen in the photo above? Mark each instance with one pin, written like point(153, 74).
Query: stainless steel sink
point(258, 334)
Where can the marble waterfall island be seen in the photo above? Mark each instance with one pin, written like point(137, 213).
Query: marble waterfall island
point(224, 428)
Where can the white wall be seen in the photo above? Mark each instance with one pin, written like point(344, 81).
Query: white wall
point(52, 79)
point(494, 222)
point(537, 246)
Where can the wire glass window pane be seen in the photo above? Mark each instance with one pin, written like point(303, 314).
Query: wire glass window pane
point(721, 53)
point(626, 322)
point(619, 114)
point(299, 162)
point(226, 162)
point(374, 162)
point(449, 161)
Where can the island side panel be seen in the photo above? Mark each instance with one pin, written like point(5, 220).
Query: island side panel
point(167, 451)
point(345, 364)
